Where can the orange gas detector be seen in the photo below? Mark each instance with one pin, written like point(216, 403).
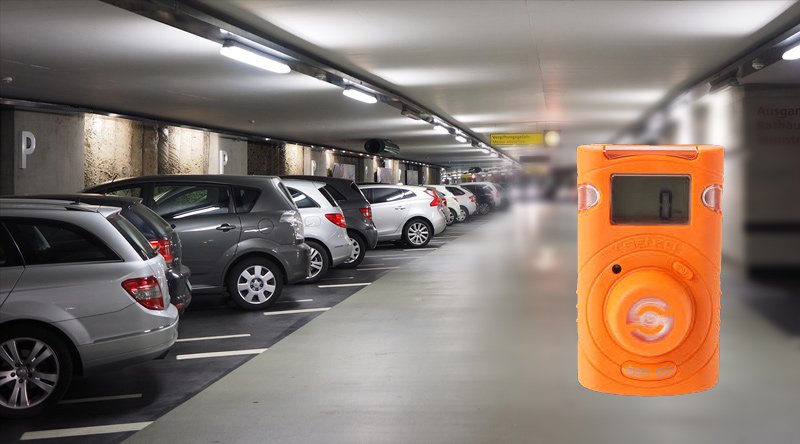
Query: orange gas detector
point(649, 223)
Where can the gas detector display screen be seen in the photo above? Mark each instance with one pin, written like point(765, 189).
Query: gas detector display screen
point(650, 199)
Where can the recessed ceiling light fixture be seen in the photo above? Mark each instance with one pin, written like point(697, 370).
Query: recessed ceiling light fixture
point(241, 53)
point(792, 53)
point(461, 138)
point(494, 155)
point(357, 94)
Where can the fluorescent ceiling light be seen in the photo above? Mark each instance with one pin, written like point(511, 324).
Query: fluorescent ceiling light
point(461, 138)
point(486, 150)
point(357, 94)
point(494, 155)
point(440, 129)
point(241, 53)
point(792, 53)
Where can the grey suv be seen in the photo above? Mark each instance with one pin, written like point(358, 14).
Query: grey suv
point(80, 289)
point(240, 233)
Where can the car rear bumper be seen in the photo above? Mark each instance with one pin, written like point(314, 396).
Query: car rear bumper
point(147, 344)
point(439, 223)
point(370, 237)
point(296, 260)
point(180, 290)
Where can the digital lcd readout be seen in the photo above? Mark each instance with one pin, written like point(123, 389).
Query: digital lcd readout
point(650, 199)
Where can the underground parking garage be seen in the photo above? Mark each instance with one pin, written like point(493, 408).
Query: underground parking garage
point(275, 221)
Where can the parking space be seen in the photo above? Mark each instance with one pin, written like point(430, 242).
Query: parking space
point(214, 339)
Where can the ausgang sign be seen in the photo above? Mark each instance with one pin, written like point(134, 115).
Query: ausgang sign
point(517, 139)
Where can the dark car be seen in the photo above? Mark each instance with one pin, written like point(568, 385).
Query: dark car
point(158, 232)
point(485, 196)
point(357, 214)
point(240, 233)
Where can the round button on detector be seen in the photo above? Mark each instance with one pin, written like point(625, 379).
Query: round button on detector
point(648, 312)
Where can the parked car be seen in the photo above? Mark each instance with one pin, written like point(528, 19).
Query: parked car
point(403, 212)
point(156, 230)
point(484, 195)
point(80, 289)
point(466, 198)
point(449, 217)
point(457, 212)
point(325, 226)
point(357, 213)
point(240, 233)
point(501, 201)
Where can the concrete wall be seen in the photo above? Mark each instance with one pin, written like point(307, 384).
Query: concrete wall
point(772, 136)
point(236, 150)
point(112, 148)
point(56, 166)
point(759, 126)
point(76, 150)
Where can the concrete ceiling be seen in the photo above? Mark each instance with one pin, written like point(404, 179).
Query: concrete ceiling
point(588, 68)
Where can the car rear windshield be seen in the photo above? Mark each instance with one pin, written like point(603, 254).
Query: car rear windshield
point(335, 193)
point(455, 191)
point(150, 224)
point(133, 236)
point(328, 196)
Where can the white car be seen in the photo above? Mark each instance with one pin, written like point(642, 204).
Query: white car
point(403, 212)
point(458, 201)
point(324, 224)
point(466, 198)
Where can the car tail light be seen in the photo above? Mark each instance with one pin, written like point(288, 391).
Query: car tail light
point(472, 198)
point(146, 291)
point(164, 248)
point(444, 202)
point(337, 219)
point(436, 201)
point(367, 212)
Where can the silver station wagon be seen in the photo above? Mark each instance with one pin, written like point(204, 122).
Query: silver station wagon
point(80, 289)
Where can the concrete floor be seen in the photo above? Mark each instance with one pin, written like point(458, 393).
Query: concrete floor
point(476, 342)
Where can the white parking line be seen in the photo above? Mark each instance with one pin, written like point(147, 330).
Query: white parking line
point(339, 278)
point(362, 284)
point(254, 351)
point(378, 268)
point(401, 258)
point(100, 398)
point(296, 301)
point(286, 312)
point(379, 263)
point(211, 338)
point(85, 431)
point(419, 249)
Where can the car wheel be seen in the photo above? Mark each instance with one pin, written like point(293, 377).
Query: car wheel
point(451, 217)
point(462, 215)
point(255, 283)
point(319, 262)
point(484, 208)
point(35, 370)
point(359, 251)
point(417, 233)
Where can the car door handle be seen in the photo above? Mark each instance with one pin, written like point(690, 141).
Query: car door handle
point(226, 227)
point(399, 208)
